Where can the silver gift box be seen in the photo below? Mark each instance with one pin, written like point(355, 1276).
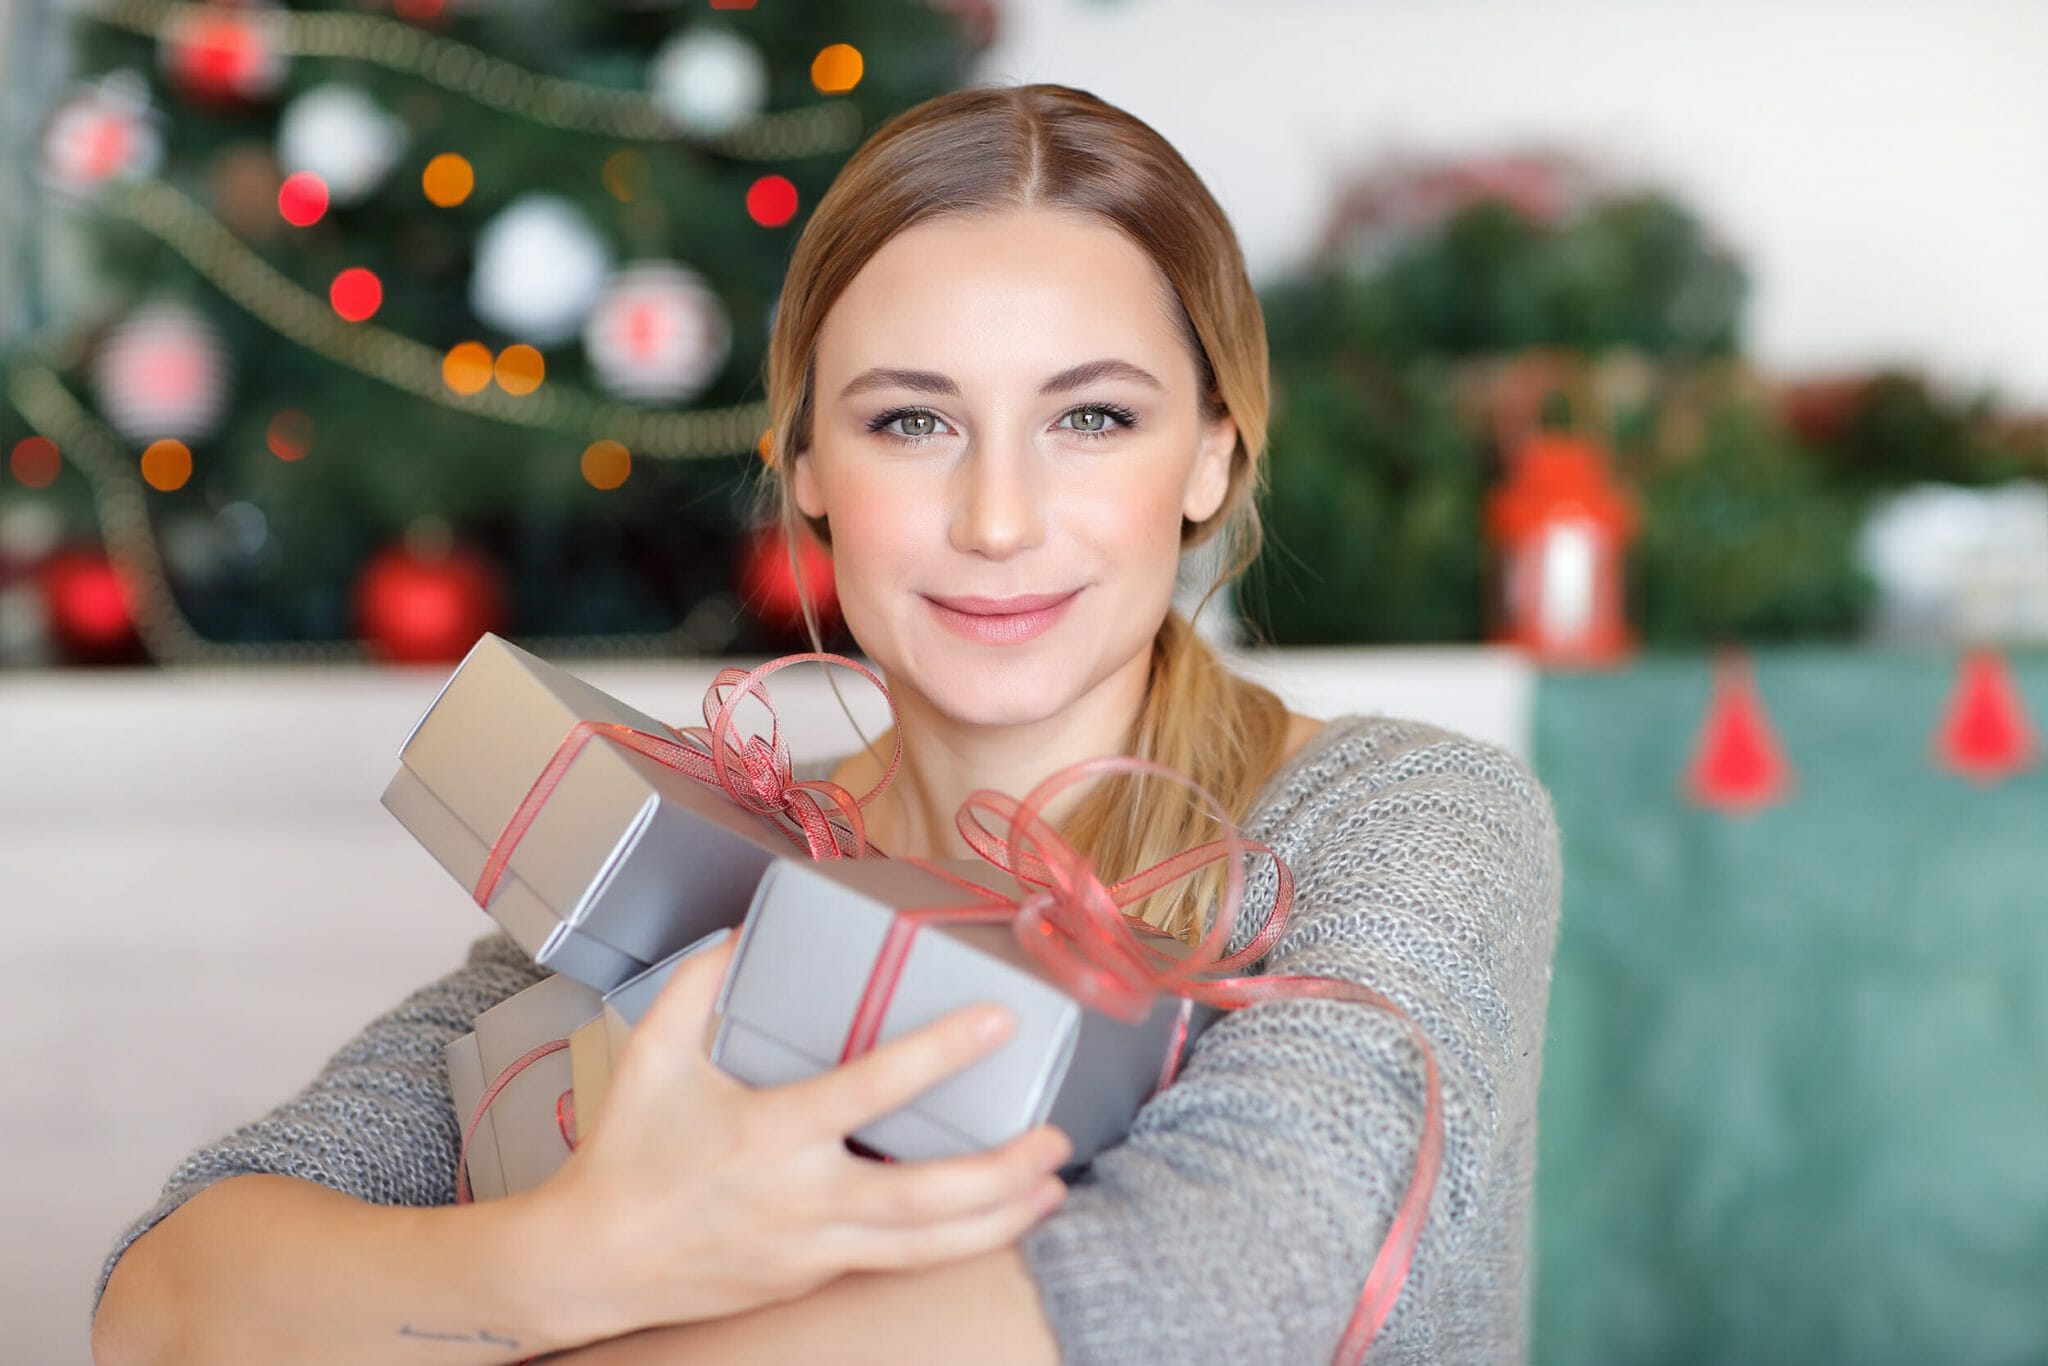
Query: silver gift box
point(805, 951)
point(518, 1144)
point(626, 862)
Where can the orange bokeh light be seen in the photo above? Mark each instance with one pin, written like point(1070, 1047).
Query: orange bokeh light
point(837, 69)
point(448, 180)
point(467, 367)
point(520, 369)
point(606, 464)
point(167, 464)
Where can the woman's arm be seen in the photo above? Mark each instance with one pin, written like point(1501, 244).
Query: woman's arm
point(1236, 1221)
point(297, 1235)
point(273, 1268)
point(983, 1309)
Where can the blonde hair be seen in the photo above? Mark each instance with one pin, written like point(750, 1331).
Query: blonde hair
point(993, 149)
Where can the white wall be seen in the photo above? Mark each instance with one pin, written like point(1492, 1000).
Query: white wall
point(1881, 165)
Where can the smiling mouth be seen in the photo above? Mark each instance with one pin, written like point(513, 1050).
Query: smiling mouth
point(1002, 621)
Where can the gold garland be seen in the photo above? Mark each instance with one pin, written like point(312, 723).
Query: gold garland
point(166, 632)
point(502, 85)
point(168, 214)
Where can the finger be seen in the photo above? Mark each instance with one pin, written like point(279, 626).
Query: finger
point(916, 1247)
point(897, 1072)
point(896, 1194)
point(678, 1019)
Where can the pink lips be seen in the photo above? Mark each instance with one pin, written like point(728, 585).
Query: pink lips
point(1002, 621)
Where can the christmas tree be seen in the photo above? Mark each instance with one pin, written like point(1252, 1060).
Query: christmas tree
point(417, 321)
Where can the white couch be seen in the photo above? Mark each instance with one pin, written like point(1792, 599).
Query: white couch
point(205, 898)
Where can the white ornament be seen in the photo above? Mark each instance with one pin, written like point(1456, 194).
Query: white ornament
point(105, 131)
point(709, 79)
point(658, 334)
point(341, 135)
point(162, 373)
point(539, 267)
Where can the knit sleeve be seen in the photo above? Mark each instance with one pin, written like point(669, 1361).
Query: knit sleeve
point(1237, 1219)
point(378, 1122)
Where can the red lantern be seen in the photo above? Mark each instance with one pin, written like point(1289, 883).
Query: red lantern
point(1559, 528)
point(426, 606)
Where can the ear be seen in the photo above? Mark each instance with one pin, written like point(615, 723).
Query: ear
point(803, 483)
point(1209, 481)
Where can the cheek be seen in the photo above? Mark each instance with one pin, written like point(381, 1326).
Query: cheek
point(1132, 518)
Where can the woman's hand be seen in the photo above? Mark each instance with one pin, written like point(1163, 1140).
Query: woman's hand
point(696, 1196)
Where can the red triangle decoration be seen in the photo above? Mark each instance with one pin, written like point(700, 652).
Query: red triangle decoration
point(1985, 735)
point(1738, 765)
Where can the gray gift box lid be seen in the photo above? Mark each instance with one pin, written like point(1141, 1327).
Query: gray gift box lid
point(635, 858)
point(466, 1084)
point(803, 959)
point(522, 1123)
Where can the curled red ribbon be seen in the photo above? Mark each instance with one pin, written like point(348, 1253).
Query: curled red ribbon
point(1079, 930)
point(755, 773)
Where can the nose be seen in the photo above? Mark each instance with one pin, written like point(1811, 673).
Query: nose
point(999, 504)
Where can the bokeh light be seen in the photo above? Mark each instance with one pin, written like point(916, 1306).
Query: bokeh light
point(290, 435)
point(765, 447)
point(520, 369)
point(624, 175)
point(448, 180)
point(302, 199)
point(467, 367)
point(34, 461)
point(836, 69)
point(606, 464)
point(167, 464)
point(771, 201)
point(356, 294)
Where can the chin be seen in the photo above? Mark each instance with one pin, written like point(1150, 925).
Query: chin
point(999, 693)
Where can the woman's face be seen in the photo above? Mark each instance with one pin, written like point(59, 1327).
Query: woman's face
point(1007, 417)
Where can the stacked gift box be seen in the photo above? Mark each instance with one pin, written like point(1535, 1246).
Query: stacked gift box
point(626, 860)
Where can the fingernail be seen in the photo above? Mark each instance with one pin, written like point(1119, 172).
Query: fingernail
point(991, 1024)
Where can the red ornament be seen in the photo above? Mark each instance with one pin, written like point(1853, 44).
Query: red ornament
point(768, 586)
point(91, 606)
point(302, 199)
point(1738, 764)
point(224, 54)
point(771, 201)
point(356, 293)
point(421, 607)
point(1985, 735)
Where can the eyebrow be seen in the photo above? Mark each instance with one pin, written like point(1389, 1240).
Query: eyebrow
point(932, 382)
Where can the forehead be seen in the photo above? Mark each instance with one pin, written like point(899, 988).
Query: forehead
point(1023, 291)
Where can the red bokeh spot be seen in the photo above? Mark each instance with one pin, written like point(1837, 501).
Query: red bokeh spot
point(34, 461)
point(356, 294)
point(771, 201)
point(302, 199)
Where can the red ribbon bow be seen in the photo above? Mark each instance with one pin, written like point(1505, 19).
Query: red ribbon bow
point(1078, 929)
point(756, 773)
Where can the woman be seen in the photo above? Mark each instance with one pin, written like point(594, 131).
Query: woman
point(1016, 370)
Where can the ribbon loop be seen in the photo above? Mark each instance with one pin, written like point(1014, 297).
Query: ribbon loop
point(755, 772)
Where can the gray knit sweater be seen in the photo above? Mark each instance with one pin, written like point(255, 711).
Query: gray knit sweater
point(1236, 1221)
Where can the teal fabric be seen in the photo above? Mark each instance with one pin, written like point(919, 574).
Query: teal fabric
point(1795, 1088)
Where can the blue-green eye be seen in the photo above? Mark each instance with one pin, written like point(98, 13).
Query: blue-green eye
point(882, 422)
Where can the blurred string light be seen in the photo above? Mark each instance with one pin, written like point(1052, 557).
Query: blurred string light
point(166, 632)
point(499, 84)
point(413, 366)
point(167, 464)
